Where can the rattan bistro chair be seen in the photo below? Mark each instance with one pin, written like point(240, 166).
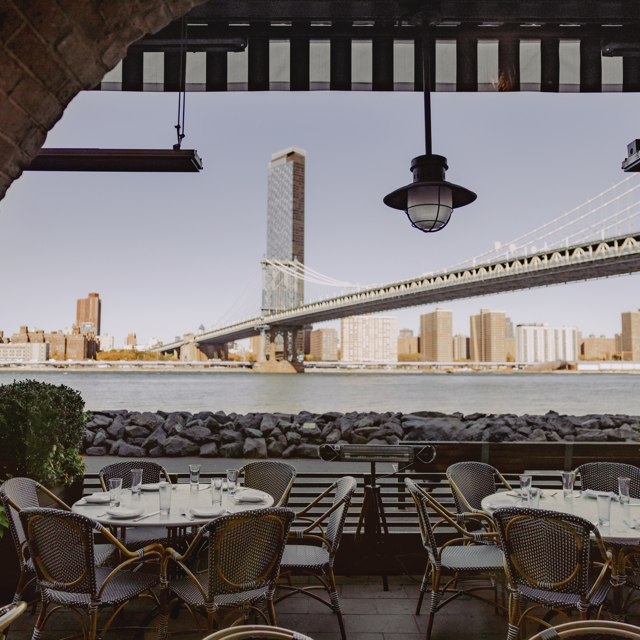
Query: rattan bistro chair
point(8, 615)
point(274, 477)
point(256, 632)
point(321, 539)
point(547, 557)
point(463, 560)
point(471, 482)
point(603, 476)
point(244, 554)
point(590, 630)
point(61, 546)
point(22, 493)
point(151, 472)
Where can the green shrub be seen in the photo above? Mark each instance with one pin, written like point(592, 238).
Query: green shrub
point(41, 429)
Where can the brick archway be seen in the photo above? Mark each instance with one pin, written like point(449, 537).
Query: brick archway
point(50, 51)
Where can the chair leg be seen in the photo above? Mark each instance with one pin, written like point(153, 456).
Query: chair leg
point(435, 600)
point(423, 587)
point(514, 616)
point(93, 623)
point(40, 622)
point(335, 602)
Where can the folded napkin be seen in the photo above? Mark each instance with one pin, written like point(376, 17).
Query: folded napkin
point(97, 498)
point(250, 495)
point(151, 486)
point(208, 512)
point(500, 503)
point(594, 494)
point(125, 512)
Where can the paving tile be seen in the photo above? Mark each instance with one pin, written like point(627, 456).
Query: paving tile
point(309, 623)
point(389, 606)
point(380, 624)
point(352, 636)
point(371, 591)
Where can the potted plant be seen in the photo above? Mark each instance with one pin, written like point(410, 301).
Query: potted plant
point(41, 429)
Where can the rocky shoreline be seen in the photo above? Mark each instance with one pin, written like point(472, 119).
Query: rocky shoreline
point(284, 435)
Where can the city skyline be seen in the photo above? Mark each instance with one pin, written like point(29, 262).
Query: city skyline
point(355, 237)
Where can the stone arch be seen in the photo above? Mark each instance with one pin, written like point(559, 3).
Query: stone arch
point(50, 51)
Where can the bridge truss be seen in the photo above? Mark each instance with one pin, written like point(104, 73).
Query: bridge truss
point(598, 239)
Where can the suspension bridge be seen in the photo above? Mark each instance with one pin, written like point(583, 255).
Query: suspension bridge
point(599, 238)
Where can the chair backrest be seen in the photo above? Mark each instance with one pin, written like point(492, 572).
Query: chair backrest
point(545, 549)
point(256, 632)
point(276, 478)
point(471, 482)
point(590, 630)
point(603, 476)
point(344, 490)
point(245, 549)
point(426, 530)
point(61, 547)
point(151, 472)
point(18, 494)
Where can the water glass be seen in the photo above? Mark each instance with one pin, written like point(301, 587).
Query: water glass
point(232, 480)
point(194, 475)
point(136, 481)
point(164, 495)
point(115, 492)
point(623, 489)
point(525, 486)
point(568, 481)
point(534, 498)
point(216, 491)
point(604, 509)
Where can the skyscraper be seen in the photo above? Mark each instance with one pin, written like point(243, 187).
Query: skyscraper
point(436, 341)
point(631, 335)
point(324, 344)
point(542, 343)
point(285, 231)
point(488, 337)
point(369, 338)
point(89, 311)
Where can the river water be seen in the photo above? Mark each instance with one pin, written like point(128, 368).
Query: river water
point(244, 392)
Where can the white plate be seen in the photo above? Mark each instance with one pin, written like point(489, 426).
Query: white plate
point(153, 486)
point(97, 498)
point(208, 512)
point(126, 513)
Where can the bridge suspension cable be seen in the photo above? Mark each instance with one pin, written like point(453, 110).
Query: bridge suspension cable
point(588, 219)
point(594, 219)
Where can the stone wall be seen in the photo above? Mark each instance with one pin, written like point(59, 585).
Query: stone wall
point(50, 50)
point(285, 435)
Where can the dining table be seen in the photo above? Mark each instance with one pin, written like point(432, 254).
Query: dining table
point(186, 501)
point(622, 532)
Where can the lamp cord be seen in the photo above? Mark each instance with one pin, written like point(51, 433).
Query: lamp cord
point(181, 88)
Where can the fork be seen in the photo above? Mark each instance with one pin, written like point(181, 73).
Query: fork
point(186, 515)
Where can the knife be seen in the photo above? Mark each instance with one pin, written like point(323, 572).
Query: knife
point(148, 515)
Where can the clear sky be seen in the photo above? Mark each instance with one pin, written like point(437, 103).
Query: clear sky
point(168, 252)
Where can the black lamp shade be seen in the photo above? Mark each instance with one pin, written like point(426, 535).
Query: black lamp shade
point(430, 199)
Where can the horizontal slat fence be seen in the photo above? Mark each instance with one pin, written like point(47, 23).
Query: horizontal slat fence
point(540, 460)
point(399, 508)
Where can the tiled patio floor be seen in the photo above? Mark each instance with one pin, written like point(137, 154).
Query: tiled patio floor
point(370, 614)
